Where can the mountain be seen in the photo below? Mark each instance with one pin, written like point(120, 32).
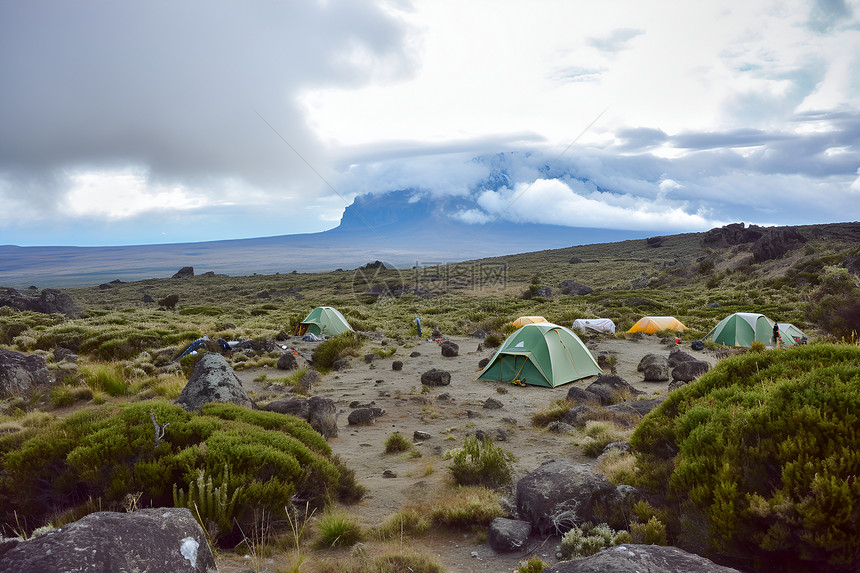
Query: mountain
point(400, 228)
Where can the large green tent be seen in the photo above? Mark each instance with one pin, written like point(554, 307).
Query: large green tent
point(323, 320)
point(742, 329)
point(541, 354)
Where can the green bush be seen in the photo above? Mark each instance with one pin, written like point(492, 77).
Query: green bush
point(335, 348)
point(533, 565)
point(338, 530)
point(766, 448)
point(587, 539)
point(835, 304)
point(110, 451)
point(397, 443)
point(480, 462)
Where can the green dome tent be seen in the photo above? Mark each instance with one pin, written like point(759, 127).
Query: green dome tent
point(742, 329)
point(541, 354)
point(791, 335)
point(323, 320)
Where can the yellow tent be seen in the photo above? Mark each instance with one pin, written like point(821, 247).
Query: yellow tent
point(651, 324)
point(524, 320)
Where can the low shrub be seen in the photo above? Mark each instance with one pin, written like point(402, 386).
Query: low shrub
point(587, 539)
point(765, 448)
point(465, 507)
point(337, 347)
point(338, 530)
point(493, 340)
point(533, 565)
point(480, 462)
point(107, 378)
point(397, 443)
point(553, 413)
point(406, 522)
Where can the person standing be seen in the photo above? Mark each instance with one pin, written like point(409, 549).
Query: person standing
point(775, 335)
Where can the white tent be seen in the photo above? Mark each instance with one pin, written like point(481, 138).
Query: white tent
point(597, 324)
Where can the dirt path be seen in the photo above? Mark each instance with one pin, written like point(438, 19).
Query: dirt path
point(448, 414)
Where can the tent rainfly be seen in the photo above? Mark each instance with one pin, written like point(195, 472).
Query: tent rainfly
point(790, 334)
point(652, 324)
point(742, 329)
point(323, 320)
point(596, 324)
point(541, 354)
point(524, 320)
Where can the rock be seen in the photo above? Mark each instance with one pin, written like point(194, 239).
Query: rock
point(543, 292)
point(655, 242)
point(559, 494)
point(697, 345)
point(161, 539)
point(21, 374)
point(61, 354)
point(714, 305)
point(434, 377)
point(320, 413)
point(368, 358)
point(677, 356)
point(631, 558)
point(483, 362)
point(374, 265)
point(574, 261)
point(689, 371)
point(397, 365)
point(732, 234)
point(48, 301)
point(389, 474)
point(648, 359)
point(419, 436)
point(414, 354)
point(775, 243)
point(263, 294)
point(184, 272)
point(500, 435)
point(574, 288)
point(287, 362)
point(282, 336)
point(606, 362)
point(309, 379)
point(508, 534)
point(340, 364)
point(364, 416)
point(657, 371)
point(641, 407)
point(675, 384)
point(501, 390)
point(213, 380)
point(559, 427)
point(450, 349)
point(581, 396)
point(148, 298)
point(479, 334)
point(493, 404)
point(611, 389)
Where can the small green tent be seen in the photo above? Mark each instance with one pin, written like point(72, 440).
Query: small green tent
point(323, 320)
point(790, 334)
point(742, 329)
point(541, 354)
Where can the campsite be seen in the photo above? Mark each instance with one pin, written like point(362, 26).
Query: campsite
point(126, 366)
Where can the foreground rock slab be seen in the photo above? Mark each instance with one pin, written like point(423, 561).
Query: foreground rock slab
point(146, 541)
point(638, 559)
point(213, 380)
point(21, 374)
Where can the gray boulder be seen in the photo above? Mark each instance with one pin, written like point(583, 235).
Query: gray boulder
point(287, 362)
point(213, 380)
point(574, 288)
point(434, 377)
point(649, 359)
point(450, 349)
point(61, 354)
point(184, 272)
point(309, 379)
point(493, 404)
point(639, 558)
point(610, 389)
point(340, 364)
point(364, 416)
point(558, 495)
point(320, 413)
point(689, 371)
point(20, 374)
point(48, 301)
point(677, 356)
point(148, 540)
point(508, 534)
point(397, 365)
point(775, 243)
point(657, 371)
point(582, 396)
point(482, 363)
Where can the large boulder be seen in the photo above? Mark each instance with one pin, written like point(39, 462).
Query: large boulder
point(184, 272)
point(610, 389)
point(657, 371)
point(689, 371)
point(20, 374)
point(508, 534)
point(450, 349)
point(48, 301)
point(287, 362)
point(639, 558)
point(775, 243)
point(434, 377)
point(732, 234)
point(364, 416)
point(574, 288)
point(148, 540)
point(580, 396)
point(213, 380)
point(650, 358)
point(677, 356)
point(321, 413)
point(558, 495)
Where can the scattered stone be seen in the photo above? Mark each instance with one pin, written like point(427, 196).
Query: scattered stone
point(500, 435)
point(689, 371)
point(714, 305)
point(697, 345)
point(397, 365)
point(282, 336)
point(472, 414)
point(184, 272)
point(578, 396)
point(450, 349)
point(675, 384)
point(483, 362)
point(657, 371)
point(389, 474)
point(543, 292)
point(479, 334)
point(574, 260)
point(443, 397)
point(414, 354)
point(162, 539)
point(492, 404)
point(22, 374)
point(309, 379)
point(501, 390)
point(434, 377)
point(648, 359)
point(611, 389)
point(263, 294)
point(48, 301)
point(631, 558)
point(437, 333)
point(573, 288)
point(213, 380)
point(508, 534)
point(287, 362)
point(677, 356)
point(559, 427)
point(418, 436)
point(148, 298)
point(640, 407)
point(340, 364)
point(61, 354)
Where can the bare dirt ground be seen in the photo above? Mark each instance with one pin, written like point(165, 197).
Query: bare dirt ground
point(448, 414)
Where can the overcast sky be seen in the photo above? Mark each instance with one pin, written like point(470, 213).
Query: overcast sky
point(154, 122)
